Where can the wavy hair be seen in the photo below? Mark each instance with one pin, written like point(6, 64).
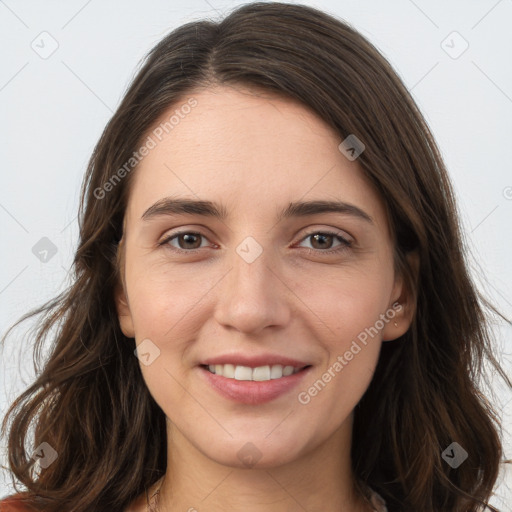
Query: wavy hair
point(89, 400)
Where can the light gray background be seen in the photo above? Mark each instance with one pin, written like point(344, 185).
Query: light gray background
point(53, 110)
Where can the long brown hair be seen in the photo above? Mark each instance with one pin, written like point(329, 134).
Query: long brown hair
point(89, 401)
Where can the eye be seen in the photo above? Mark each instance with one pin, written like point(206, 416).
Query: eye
point(324, 240)
point(187, 241)
point(190, 241)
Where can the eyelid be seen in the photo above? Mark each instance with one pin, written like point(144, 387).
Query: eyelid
point(170, 236)
point(331, 231)
point(346, 239)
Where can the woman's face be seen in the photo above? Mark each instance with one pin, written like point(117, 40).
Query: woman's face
point(264, 285)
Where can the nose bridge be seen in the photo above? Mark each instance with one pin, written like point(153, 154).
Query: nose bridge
point(252, 297)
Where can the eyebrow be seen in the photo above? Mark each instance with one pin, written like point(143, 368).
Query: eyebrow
point(177, 206)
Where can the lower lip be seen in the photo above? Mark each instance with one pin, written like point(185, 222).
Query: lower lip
point(253, 392)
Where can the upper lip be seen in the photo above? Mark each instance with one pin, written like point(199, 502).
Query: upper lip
point(254, 361)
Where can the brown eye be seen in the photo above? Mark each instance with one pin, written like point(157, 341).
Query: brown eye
point(186, 241)
point(323, 241)
point(190, 241)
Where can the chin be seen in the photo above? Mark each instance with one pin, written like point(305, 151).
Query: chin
point(256, 454)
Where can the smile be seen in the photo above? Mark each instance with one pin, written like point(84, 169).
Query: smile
point(253, 386)
point(260, 373)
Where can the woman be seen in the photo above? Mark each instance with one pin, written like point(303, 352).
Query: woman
point(318, 343)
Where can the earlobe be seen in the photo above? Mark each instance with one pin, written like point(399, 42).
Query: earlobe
point(400, 318)
point(401, 311)
point(122, 306)
point(123, 312)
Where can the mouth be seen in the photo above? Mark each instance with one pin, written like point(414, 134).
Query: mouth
point(253, 385)
point(257, 374)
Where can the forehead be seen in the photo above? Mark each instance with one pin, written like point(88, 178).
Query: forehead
point(250, 150)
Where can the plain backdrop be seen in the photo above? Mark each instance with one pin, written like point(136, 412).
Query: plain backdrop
point(65, 66)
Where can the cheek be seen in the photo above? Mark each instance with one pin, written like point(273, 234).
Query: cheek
point(352, 346)
point(161, 301)
point(352, 307)
point(348, 301)
point(162, 308)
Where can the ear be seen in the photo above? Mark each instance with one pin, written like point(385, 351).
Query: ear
point(123, 312)
point(403, 304)
point(121, 300)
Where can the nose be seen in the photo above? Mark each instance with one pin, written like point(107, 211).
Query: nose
point(253, 295)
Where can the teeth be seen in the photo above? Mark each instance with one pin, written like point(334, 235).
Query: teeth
point(260, 373)
point(276, 371)
point(227, 371)
point(287, 370)
point(241, 373)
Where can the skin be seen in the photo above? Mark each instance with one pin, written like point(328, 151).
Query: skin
point(255, 154)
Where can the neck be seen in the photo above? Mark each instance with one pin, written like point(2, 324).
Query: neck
point(321, 479)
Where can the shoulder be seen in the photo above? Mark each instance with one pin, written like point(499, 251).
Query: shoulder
point(15, 503)
point(18, 503)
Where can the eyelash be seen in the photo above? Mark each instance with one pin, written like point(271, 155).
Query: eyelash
point(345, 244)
